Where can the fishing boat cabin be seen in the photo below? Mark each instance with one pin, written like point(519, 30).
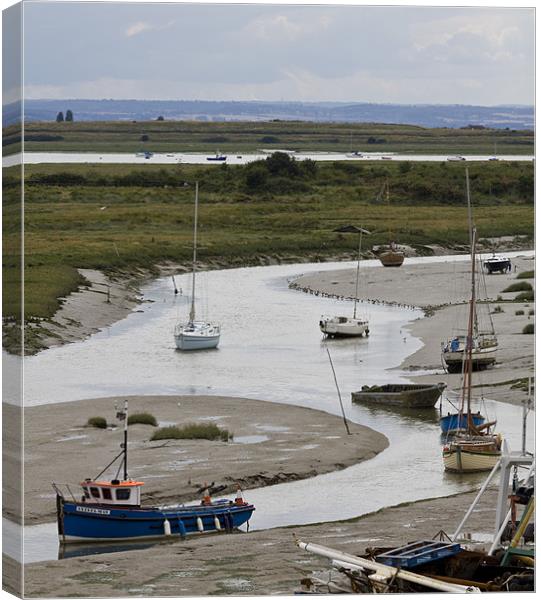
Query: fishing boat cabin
point(114, 492)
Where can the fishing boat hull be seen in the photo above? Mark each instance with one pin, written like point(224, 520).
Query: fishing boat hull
point(455, 423)
point(390, 258)
point(470, 458)
point(403, 395)
point(81, 523)
point(343, 327)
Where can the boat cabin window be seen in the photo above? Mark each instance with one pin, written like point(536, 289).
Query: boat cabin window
point(123, 494)
point(342, 320)
point(95, 492)
point(86, 493)
point(106, 493)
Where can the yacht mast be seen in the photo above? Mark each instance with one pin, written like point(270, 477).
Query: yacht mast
point(192, 308)
point(357, 278)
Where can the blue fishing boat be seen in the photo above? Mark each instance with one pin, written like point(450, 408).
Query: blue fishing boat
point(453, 423)
point(111, 510)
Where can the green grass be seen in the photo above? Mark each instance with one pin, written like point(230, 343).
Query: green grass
point(528, 328)
point(98, 422)
point(193, 431)
point(244, 137)
point(143, 419)
point(525, 297)
point(526, 275)
point(122, 218)
point(519, 312)
point(520, 286)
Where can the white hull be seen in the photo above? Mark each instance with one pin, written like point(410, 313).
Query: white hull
point(482, 357)
point(458, 460)
point(343, 327)
point(197, 336)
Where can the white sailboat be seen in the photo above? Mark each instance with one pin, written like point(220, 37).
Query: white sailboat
point(340, 326)
point(193, 334)
point(475, 448)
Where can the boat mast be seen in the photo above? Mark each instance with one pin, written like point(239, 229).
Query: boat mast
point(469, 338)
point(192, 308)
point(357, 278)
point(470, 229)
point(125, 440)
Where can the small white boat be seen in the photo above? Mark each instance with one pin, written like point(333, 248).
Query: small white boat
point(339, 326)
point(343, 326)
point(497, 264)
point(483, 354)
point(196, 335)
point(471, 455)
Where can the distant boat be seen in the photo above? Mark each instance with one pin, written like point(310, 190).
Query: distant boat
point(406, 395)
point(111, 510)
point(340, 326)
point(497, 264)
point(217, 157)
point(455, 158)
point(390, 255)
point(144, 154)
point(196, 335)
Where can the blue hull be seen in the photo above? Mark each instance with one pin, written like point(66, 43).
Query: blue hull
point(453, 423)
point(82, 522)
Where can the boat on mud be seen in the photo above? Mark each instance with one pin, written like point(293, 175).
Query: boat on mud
point(407, 395)
point(497, 264)
point(111, 510)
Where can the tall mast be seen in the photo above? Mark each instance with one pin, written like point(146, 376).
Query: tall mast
point(125, 440)
point(469, 339)
point(192, 309)
point(357, 279)
point(470, 229)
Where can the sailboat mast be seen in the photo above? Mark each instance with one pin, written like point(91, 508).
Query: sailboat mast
point(470, 229)
point(469, 339)
point(125, 440)
point(357, 278)
point(192, 309)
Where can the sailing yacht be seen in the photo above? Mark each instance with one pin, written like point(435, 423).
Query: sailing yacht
point(390, 255)
point(475, 448)
point(196, 335)
point(340, 326)
point(484, 342)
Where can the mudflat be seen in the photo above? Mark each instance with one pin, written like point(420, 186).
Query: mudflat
point(272, 443)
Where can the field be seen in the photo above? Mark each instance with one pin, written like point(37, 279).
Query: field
point(120, 218)
point(243, 137)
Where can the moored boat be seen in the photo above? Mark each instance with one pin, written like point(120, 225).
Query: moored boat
point(111, 510)
point(400, 394)
point(217, 157)
point(497, 264)
point(193, 334)
point(391, 257)
point(454, 423)
point(483, 355)
point(471, 454)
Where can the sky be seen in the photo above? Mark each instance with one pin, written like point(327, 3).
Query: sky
point(401, 54)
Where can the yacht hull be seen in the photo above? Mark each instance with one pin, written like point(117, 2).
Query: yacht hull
point(348, 328)
point(196, 342)
point(481, 359)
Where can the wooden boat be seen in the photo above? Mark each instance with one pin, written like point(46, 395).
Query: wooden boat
point(390, 255)
point(400, 394)
point(111, 510)
point(340, 326)
point(196, 335)
point(475, 449)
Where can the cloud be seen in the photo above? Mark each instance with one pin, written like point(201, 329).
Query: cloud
point(141, 26)
point(278, 27)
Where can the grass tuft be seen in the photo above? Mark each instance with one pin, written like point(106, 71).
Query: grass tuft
point(143, 419)
point(525, 296)
point(98, 422)
point(519, 312)
point(526, 275)
point(193, 431)
point(520, 286)
point(528, 328)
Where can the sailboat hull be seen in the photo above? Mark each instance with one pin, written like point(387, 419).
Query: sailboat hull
point(460, 459)
point(185, 341)
point(481, 359)
point(343, 327)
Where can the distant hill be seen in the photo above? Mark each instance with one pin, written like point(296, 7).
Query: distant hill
point(424, 115)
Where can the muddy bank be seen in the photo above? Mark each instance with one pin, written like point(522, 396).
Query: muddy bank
point(272, 443)
point(257, 563)
point(442, 289)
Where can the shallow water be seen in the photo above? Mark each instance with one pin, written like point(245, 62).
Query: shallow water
point(271, 349)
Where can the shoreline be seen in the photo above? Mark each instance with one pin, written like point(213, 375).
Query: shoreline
point(272, 443)
point(261, 562)
point(87, 310)
point(441, 290)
